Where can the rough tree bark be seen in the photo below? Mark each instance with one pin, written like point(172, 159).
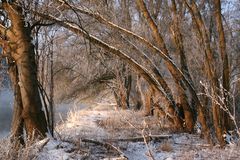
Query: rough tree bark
point(188, 111)
point(122, 88)
point(137, 97)
point(124, 78)
point(17, 120)
point(178, 39)
point(170, 64)
point(156, 72)
point(225, 63)
point(140, 69)
point(212, 76)
point(22, 52)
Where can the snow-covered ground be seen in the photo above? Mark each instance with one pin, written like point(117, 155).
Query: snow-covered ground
point(106, 125)
point(94, 131)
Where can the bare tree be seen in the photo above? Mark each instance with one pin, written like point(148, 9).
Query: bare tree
point(17, 46)
point(135, 37)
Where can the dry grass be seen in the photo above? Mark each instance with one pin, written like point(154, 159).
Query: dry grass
point(120, 123)
point(129, 123)
point(166, 146)
point(12, 150)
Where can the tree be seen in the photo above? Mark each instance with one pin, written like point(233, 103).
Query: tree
point(19, 50)
point(225, 60)
point(143, 39)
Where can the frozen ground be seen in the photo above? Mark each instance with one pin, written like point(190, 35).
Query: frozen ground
point(105, 125)
point(94, 131)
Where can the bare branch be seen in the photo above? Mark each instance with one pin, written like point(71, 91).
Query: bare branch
point(169, 62)
point(139, 68)
point(38, 23)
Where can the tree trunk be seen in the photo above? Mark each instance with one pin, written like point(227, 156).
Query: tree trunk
point(177, 37)
point(156, 72)
point(128, 86)
point(123, 75)
point(136, 93)
point(212, 76)
point(17, 120)
point(170, 64)
point(157, 36)
point(147, 102)
point(51, 98)
point(226, 69)
point(22, 51)
point(122, 88)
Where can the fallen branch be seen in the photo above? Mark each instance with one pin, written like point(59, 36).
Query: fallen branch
point(196, 145)
point(108, 146)
point(140, 139)
point(41, 144)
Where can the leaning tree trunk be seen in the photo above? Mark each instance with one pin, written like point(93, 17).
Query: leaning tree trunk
point(178, 39)
point(126, 21)
point(170, 64)
point(17, 120)
point(226, 69)
point(22, 52)
point(211, 73)
point(188, 111)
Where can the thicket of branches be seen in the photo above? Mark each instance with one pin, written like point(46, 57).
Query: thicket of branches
point(178, 58)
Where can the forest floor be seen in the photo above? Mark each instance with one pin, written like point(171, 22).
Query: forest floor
point(102, 132)
point(94, 131)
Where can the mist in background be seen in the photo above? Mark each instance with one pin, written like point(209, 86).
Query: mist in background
point(6, 103)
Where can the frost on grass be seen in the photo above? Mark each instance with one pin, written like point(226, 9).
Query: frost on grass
point(56, 149)
point(82, 124)
point(102, 127)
